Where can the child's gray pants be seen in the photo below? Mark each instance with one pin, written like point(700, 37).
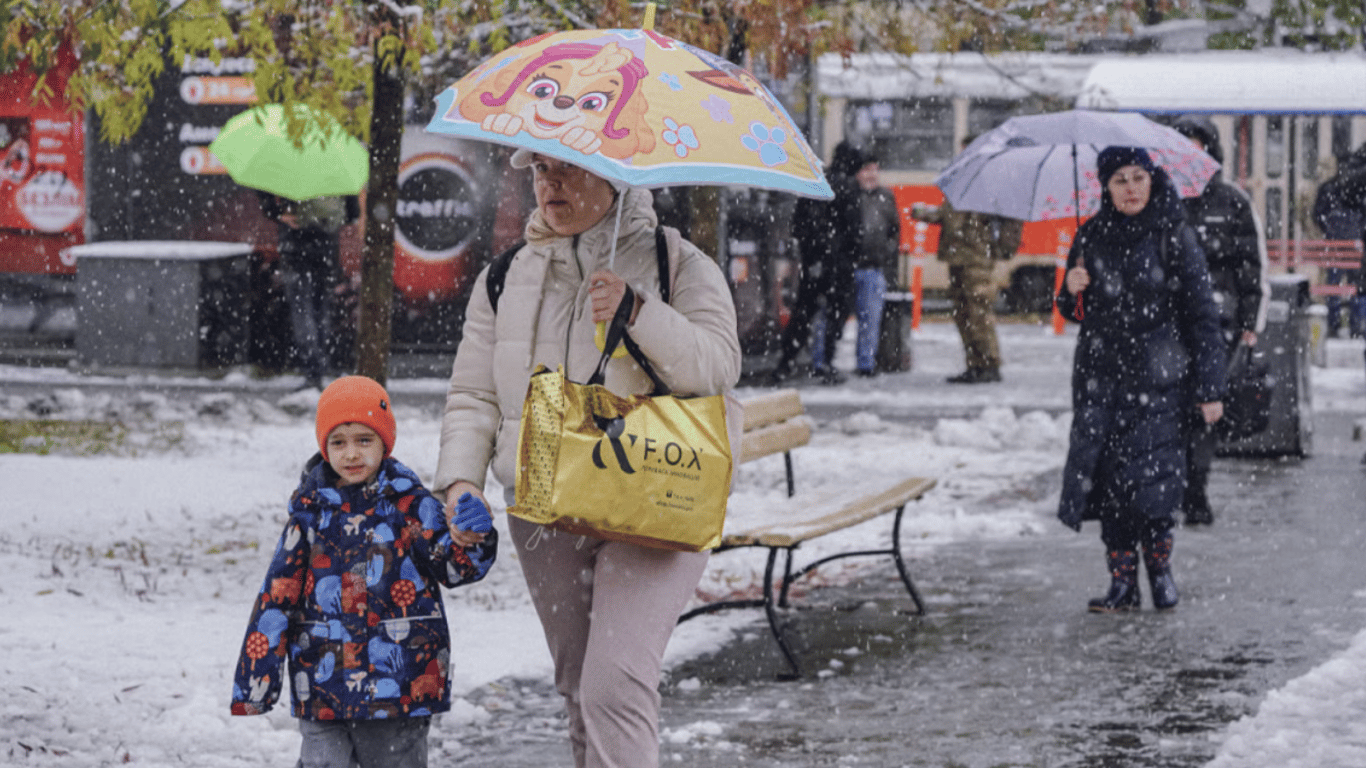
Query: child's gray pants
point(397, 743)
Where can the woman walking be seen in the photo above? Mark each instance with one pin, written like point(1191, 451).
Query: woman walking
point(1148, 364)
point(607, 608)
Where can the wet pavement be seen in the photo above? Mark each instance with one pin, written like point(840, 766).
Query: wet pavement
point(1007, 668)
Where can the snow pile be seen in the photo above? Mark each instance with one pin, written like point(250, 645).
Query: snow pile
point(132, 562)
point(1313, 722)
point(131, 557)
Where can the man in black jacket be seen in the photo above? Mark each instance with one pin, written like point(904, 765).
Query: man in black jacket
point(825, 232)
point(1235, 248)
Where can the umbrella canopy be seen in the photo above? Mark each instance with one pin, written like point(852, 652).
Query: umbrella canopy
point(634, 107)
point(256, 149)
point(1040, 167)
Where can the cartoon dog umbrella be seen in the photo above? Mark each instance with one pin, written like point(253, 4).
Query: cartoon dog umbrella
point(636, 108)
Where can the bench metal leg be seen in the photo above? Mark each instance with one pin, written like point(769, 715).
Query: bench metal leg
point(771, 610)
point(894, 552)
point(717, 607)
point(901, 562)
point(788, 578)
point(772, 603)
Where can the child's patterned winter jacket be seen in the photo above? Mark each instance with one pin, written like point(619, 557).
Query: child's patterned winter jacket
point(352, 598)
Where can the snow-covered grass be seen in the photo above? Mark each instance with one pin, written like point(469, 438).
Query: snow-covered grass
point(130, 570)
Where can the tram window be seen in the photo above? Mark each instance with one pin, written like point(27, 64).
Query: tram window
point(1342, 136)
point(1239, 153)
point(1273, 213)
point(1309, 147)
point(1275, 146)
point(985, 114)
point(914, 134)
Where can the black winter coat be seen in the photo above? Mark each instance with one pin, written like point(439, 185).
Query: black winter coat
point(1148, 352)
point(1228, 234)
point(827, 231)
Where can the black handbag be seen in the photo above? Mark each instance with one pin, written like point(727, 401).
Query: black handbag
point(1247, 407)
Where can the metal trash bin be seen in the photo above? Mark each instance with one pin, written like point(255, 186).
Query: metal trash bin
point(162, 304)
point(894, 340)
point(1285, 344)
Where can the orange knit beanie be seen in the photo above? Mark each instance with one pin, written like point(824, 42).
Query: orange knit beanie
point(359, 400)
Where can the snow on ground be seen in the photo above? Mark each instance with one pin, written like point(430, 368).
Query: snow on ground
point(130, 572)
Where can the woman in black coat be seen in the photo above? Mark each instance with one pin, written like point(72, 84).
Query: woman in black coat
point(1148, 365)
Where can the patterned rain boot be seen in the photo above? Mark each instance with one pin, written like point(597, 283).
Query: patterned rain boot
point(1157, 558)
point(1123, 594)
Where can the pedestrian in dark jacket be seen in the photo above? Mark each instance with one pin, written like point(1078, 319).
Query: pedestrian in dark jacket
point(352, 598)
point(1148, 353)
point(879, 241)
point(1340, 211)
point(310, 266)
point(826, 232)
point(1235, 250)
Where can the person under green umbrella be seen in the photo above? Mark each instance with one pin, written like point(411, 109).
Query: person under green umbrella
point(310, 267)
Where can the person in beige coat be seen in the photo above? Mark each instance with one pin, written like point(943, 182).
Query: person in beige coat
point(607, 608)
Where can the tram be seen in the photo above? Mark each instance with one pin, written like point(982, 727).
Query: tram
point(1285, 119)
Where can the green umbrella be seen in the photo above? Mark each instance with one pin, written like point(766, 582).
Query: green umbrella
point(256, 149)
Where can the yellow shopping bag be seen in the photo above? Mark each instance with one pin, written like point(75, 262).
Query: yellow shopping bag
point(649, 469)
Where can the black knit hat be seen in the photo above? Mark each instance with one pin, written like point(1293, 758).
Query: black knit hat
point(1111, 159)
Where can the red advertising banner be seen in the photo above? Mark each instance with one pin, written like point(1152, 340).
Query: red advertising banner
point(42, 172)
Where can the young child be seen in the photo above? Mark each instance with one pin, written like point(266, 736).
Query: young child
point(352, 597)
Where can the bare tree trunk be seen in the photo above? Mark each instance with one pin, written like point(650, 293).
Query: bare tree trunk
point(377, 267)
point(705, 221)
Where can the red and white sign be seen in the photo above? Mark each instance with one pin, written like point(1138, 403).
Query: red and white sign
point(50, 202)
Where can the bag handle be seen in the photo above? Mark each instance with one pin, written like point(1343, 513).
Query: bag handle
point(1242, 356)
point(616, 334)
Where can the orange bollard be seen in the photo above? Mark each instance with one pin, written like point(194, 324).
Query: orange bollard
point(918, 274)
point(1060, 260)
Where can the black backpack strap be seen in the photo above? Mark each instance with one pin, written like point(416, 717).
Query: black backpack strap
point(662, 259)
point(498, 273)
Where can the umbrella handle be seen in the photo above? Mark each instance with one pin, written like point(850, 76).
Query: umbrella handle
point(600, 334)
point(1076, 188)
point(600, 339)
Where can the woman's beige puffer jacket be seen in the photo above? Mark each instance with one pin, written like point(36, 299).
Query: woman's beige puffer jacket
point(544, 318)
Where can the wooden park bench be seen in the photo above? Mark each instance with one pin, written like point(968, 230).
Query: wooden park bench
point(1319, 256)
point(776, 423)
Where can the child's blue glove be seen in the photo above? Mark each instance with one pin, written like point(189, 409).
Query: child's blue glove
point(472, 515)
